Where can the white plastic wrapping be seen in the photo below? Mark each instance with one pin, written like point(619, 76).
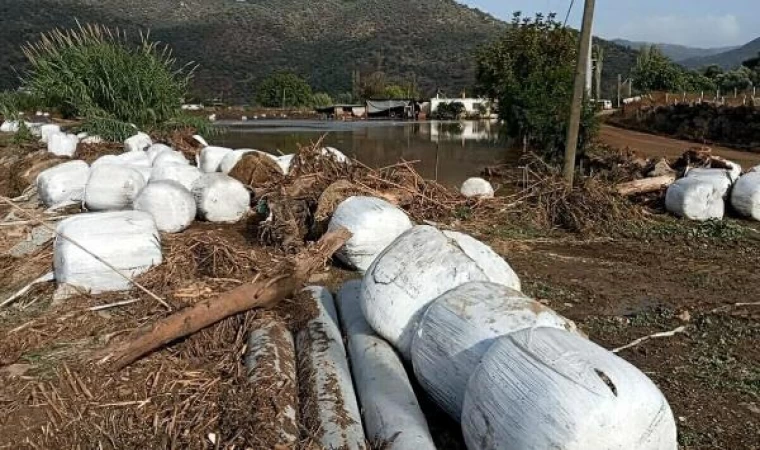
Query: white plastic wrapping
point(232, 158)
point(373, 223)
point(63, 183)
point(390, 410)
point(335, 153)
point(136, 159)
point(10, 126)
point(199, 139)
point(220, 198)
point(112, 187)
point(477, 187)
point(137, 143)
point(745, 197)
point(417, 268)
point(168, 158)
point(458, 328)
point(210, 158)
point(156, 149)
point(48, 130)
point(127, 240)
point(62, 144)
point(321, 354)
point(184, 174)
point(171, 205)
point(546, 388)
point(695, 199)
point(284, 162)
point(720, 178)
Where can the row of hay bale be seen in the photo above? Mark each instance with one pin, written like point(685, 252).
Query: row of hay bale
point(514, 373)
point(706, 193)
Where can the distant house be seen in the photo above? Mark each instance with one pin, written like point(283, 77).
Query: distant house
point(394, 109)
point(472, 106)
point(343, 111)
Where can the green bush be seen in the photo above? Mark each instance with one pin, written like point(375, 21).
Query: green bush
point(449, 111)
point(320, 99)
point(283, 90)
point(94, 73)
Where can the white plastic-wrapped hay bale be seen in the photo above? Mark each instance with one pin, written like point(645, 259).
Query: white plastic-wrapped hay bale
point(232, 158)
point(127, 240)
point(546, 388)
point(137, 143)
point(417, 268)
point(112, 187)
point(220, 198)
point(271, 364)
point(285, 162)
point(10, 126)
point(210, 158)
point(136, 159)
point(331, 399)
point(156, 149)
point(477, 187)
point(63, 183)
point(171, 205)
point(745, 198)
point(62, 144)
point(48, 130)
point(184, 174)
point(390, 410)
point(199, 139)
point(458, 328)
point(335, 153)
point(166, 158)
point(720, 178)
point(695, 199)
point(373, 223)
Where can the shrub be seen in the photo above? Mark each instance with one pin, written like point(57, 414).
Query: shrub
point(321, 99)
point(449, 111)
point(283, 90)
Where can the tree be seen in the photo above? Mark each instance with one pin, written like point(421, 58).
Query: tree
point(530, 71)
point(655, 72)
point(713, 71)
point(739, 79)
point(283, 90)
point(753, 64)
point(394, 92)
point(321, 99)
point(696, 82)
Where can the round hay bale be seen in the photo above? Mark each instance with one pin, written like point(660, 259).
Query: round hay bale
point(220, 198)
point(477, 187)
point(255, 169)
point(171, 205)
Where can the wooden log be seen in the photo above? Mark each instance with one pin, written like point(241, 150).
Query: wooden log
point(263, 293)
point(645, 185)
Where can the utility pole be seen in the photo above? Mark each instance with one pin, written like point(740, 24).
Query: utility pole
point(571, 144)
point(619, 90)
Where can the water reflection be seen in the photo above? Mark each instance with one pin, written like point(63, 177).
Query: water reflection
point(447, 151)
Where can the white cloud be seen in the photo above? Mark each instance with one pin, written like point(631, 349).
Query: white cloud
point(706, 31)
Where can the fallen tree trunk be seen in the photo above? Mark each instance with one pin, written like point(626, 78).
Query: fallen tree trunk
point(263, 293)
point(645, 185)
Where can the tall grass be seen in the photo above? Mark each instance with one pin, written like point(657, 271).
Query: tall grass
point(95, 73)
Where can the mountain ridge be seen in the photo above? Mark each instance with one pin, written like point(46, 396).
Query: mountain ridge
point(676, 52)
point(727, 60)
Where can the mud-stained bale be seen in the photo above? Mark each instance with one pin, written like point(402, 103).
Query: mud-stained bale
point(137, 143)
point(112, 187)
point(458, 328)
point(330, 404)
point(417, 268)
point(695, 199)
point(171, 205)
point(232, 158)
point(184, 174)
point(477, 187)
point(391, 413)
point(63, 183)
point(211, 158)
point(373, 223)
point(271, 364)
point(255, 170)
point(220, 198)
point(547, 388)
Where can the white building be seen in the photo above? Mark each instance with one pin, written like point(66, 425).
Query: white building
point(472, 106)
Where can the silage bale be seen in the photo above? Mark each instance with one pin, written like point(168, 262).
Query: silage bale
point(390, 410)
point(232, 158)
point(331, 399)
point(211, 158)
point(171, 205)
point(135, 159)
point(127, 240)
point(477, 187)
point(112, 187)
point(720, 178)
point(63, 183)
point(62, 144)
point(220, 198)
point(745, 197)
point(48, 130)
point(547, 388)
point(256, 169)
point(335, 154)
point(417, 268)
point(137, 143)
point(183, 174)
point(156, 149)
point(169, 157)
point(10, 126)
point(695, 199)
point(458, 328)
point(373, 223)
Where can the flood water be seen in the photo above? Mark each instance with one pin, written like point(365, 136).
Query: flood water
point(450, 152)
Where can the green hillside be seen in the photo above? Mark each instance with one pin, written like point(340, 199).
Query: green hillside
point(239, 42)
point(727, 60)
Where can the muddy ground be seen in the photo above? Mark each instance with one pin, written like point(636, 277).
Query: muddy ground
point(653, 277)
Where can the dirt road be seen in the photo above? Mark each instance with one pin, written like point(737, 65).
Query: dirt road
point(652, 145)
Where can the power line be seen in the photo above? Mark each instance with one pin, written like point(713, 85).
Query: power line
point(567, 16)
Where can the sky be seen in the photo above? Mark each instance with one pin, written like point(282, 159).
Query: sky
point(696, 23)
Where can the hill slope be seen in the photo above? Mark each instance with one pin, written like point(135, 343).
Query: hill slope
point(677, 53)
point(239, 42)
point(728, 60)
